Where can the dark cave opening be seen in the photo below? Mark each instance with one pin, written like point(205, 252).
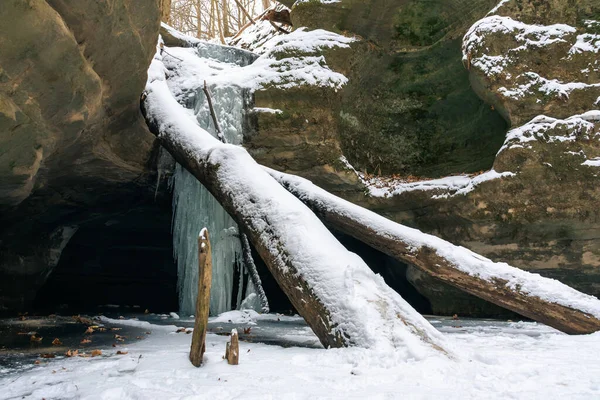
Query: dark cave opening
point(124, 259)
point(127, 260)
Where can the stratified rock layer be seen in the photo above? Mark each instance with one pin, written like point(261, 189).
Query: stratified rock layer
point(415, 104)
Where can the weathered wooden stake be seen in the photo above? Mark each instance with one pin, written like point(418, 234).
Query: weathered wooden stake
point(203, 299)
point(232, 349)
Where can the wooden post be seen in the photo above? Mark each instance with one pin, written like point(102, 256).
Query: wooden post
point(203, 299)
point(232, 349)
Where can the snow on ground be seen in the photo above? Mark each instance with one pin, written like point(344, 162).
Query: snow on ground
point(501, 361)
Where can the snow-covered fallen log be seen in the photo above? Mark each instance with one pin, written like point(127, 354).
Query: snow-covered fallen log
point(541, 299)
point(341, 299)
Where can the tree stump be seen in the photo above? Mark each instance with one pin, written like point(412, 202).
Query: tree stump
point(232, 349)
point(203, 299)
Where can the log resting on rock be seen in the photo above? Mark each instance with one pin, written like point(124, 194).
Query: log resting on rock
point(531, 295)
point(340, 298)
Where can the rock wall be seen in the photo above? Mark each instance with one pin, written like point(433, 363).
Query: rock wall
point(73, 145)
point(453, 87)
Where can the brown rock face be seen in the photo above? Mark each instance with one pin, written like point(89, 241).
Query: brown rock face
point(72, 139)
point(410, 107)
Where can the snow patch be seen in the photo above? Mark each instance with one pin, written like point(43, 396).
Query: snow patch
point(536, 84)
point(449, 186)
point(594, 162)
point(576, 127)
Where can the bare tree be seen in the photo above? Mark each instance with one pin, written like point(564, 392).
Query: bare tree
point(212, 19)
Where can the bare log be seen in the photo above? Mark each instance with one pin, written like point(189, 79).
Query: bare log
point(213, 114)
point(531, 295)
point(203, 299)
point(340, 298)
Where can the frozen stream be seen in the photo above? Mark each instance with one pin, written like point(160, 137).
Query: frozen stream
point(281, 359)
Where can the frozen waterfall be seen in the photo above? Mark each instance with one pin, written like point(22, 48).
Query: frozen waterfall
point(194, 207)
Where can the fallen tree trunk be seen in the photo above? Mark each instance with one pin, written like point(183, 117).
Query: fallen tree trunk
point(541, 299)
point(340, 298)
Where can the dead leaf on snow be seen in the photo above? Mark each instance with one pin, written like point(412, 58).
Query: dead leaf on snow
point(56, 342)
point(96, 353)
point(72, 353)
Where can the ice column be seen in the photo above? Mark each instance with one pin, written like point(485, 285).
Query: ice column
point(194, 207)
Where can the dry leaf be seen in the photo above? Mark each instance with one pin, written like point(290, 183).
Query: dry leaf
point(47, 355)
point(96, 353)
point(115, 329)
point(35, 339)
point(139, 337)
point(247, 330)
point(114, 345)
point(188, 332)
point(85, 341)
point(82, 320)
point(122, 352)
point(147, 333)
point(37, 362)
point(146, 311)
point(121, 317)
point(180, 330)
point(455, 317)
point(56, 342)
point(72, 353)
